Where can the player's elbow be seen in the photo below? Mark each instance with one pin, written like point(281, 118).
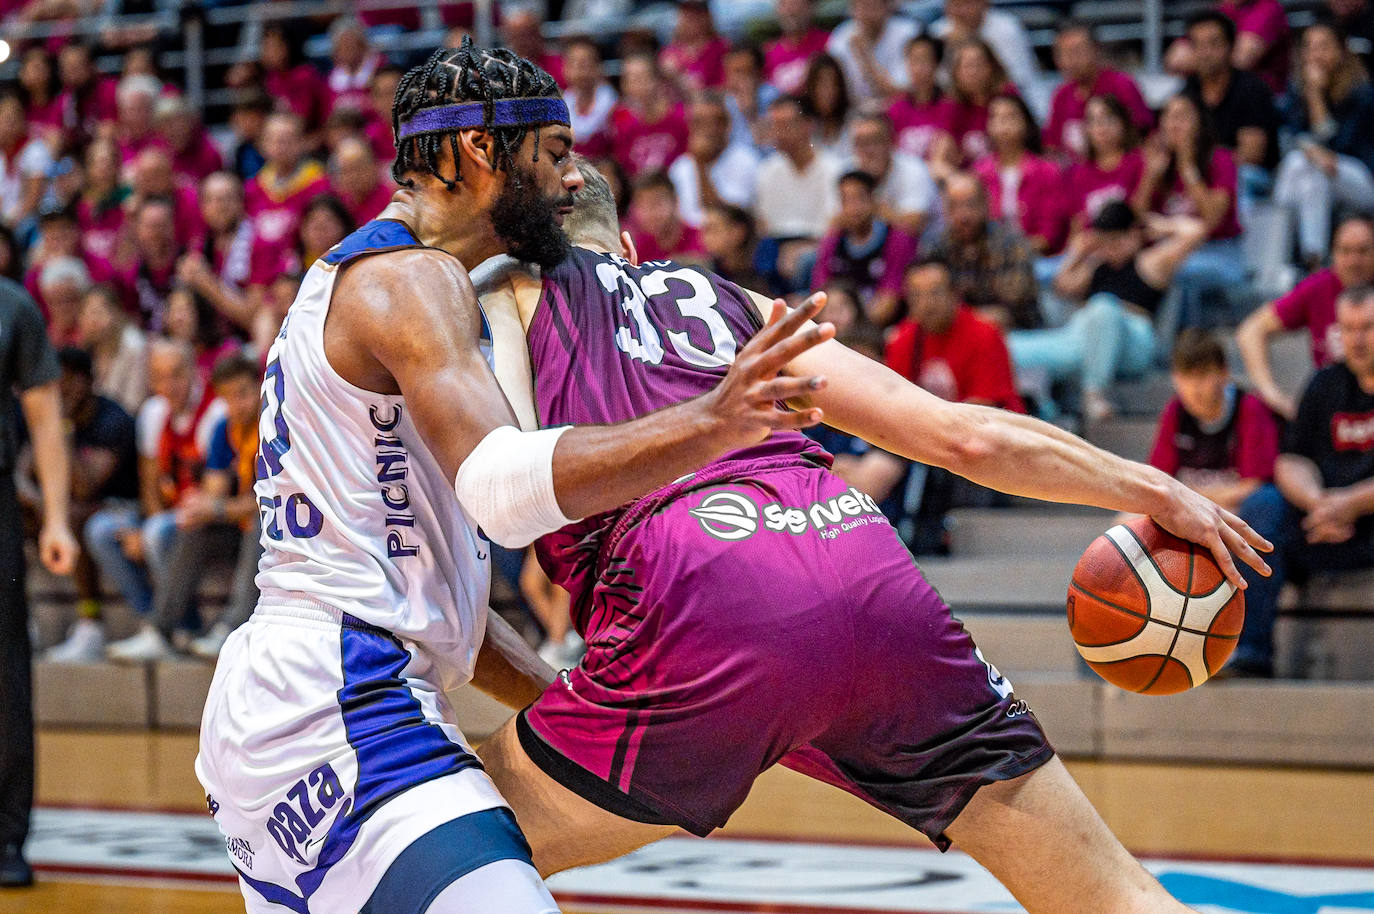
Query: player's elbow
point(968, 438)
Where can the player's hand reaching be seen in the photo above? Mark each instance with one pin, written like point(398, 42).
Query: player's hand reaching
point(1201, 520)
point(747, 405)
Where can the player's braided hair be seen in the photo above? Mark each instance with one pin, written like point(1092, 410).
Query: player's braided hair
point(464, 74)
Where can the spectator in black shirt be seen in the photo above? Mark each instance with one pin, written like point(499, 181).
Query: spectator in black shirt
point(1319, 514)
point(1239, 103)
point(1356, 19)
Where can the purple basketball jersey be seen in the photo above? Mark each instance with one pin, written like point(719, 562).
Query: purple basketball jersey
point(610, 342)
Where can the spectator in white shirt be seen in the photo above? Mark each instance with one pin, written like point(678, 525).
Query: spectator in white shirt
point(713, 170)
point(797, 185)
point(905, 192)
point(871, 48)
point(25, 162)
point(591, 99)
point(1003, 32)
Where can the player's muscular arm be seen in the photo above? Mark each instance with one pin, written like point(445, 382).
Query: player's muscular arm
point(409, 323)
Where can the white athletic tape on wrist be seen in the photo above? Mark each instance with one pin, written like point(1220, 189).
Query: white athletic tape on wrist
point(506, 485)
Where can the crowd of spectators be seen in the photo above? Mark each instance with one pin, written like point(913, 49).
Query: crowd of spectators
point(986, 249)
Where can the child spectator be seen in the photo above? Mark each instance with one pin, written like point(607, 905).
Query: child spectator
point(906, 193)
point(1213, 437)
point(864, 250)
point(920, 115)
point(1319, 514)
point(650, 126)
point(1111, 166)
point(825, 95)
point(119, 350)
point(787, 58)
point(277, 195)
point(1023, 189)
point(695, 57)
point(1329, 115)
point(1311, 306)
point(658, 231)
point(869, 48)
point(713, 169)
point(591, 99)
point(1078, 58)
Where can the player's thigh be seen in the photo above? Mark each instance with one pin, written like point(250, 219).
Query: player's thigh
point(503, 887)
point(563, 829)
point(1039, 835)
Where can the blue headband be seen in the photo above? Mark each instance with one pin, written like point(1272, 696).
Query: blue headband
point(506, 112)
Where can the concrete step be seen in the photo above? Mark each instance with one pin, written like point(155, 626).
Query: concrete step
point(1025, 644)
point(1017, 583)
point(1129, 436)
point(1026, 532)
point(92, 695)
point(1146, 396)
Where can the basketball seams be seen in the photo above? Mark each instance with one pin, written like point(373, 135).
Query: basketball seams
point(1149, 556)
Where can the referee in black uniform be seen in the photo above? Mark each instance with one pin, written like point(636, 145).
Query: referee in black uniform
point(28, 368)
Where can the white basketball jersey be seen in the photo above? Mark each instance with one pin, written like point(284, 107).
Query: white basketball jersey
point(356, 514)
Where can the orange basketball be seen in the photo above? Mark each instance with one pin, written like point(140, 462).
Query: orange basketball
point(1151, 612)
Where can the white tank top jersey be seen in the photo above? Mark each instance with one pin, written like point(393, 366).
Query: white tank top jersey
point(356, 513)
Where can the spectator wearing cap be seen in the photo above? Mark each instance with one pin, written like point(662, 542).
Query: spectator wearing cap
point(729, 237)
point(906, 193)
point(748, 97)
point(658, 231)
point(865, 250)
point(1329, 119)
point(869, 48)
point(826, 96)
point(104, 473)
point(62, 282)
point(786, 58)
point(88, 99)
point(354, 64)
point(1213, 437)
point(1078, 58)
point(278, 194)
point(713, 169)
point(522, 30)
point(179, 128)
point(1023, 189)
point(991, 263)
point(1002, 31)
point(1310, 306)
point(1120, 269)
point(1319, 514)
point(650, 127)
point(356, 179)
point(591, 99)
point(1111, 166)
point(920, 115)
point(695, 56)
point(118, 348)
point(25, 161)
point(246, 123)
point(1239, 104)
point(134, 126)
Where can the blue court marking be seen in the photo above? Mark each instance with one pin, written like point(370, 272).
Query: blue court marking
point(1193, 889)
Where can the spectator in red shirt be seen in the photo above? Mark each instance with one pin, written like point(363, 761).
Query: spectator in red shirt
point(287, 77)
point(1213, 437)
point(41, 91)
point(920, 115)
point(1078, 58)
point(134, 124)
point(1111, 166)
point(522, 32)
point(355, 179)
point(147, 280)
point(88, 99)
point(946, 348)
point(1023, 189)
point(658, 231)
point(354, 65)
point(864, 251)
point(785, 60)
point(1310, 306)
point(591, 99)
point(696, 55)
point(179, 128)
point(279, 192)
point(99, 207)
point(650, 125)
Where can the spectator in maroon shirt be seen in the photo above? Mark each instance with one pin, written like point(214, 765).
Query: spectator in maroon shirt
point(178, 126)
point(381, 95)
point(1310, 306)
point(658, 231)
point(920, 115)
point(1078, 58)
point(88, 99)
point(99, 206)
point(590, 98)
point(696, 55)
point(151, 175)
point(356, 180)
point(522, 32)
point(976, 78)
point(354, 64)
point(1213, 437)
point(134, 131)
point(650, 125)
point(1111, 166)
point(1023, 189)
point(282, 70)
point(147, 281)
point(279, 192)
point(785, 60)
point(864, 250)
point(41, 91)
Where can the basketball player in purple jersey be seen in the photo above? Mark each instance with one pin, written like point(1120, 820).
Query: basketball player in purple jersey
point(760, 611)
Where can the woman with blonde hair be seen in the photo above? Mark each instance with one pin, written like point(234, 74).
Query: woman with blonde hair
point(1328, 116)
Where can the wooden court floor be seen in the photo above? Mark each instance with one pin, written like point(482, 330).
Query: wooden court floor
point(1156, 808)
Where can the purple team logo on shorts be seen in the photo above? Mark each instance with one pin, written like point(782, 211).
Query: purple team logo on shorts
point(731, 516)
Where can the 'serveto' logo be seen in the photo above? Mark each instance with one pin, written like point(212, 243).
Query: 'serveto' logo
point(727, 516)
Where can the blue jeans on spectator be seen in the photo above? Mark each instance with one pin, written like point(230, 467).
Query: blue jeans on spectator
point(1100, 343)
point(1275, 519)
point(103, 538)
point(1213, 270)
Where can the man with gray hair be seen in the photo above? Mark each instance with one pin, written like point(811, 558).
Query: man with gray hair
point(61, 283)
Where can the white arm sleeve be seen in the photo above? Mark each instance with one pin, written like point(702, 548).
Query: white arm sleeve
point(506, 485)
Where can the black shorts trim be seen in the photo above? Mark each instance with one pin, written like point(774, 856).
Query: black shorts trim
point(582, 782)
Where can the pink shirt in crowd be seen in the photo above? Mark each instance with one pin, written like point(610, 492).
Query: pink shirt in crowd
point(1312, 305)
point(198, 161)
point(918, 126)
point(1092, 187)
point(968, 124)
point(642, 147)
point(276, 210)
point(1254, 439)
point(688, 244)
point(1222, 174)
point(1266, 20)
point(94, 108)
point(366, 209)
point(1039, 197)
point(100, 226)
point(703, 68)
point(785, 61)
point(302, 90)
point(1064, 130)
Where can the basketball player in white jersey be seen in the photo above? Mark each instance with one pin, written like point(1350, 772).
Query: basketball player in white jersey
point(388, 456)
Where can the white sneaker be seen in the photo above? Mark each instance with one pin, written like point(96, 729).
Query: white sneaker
point(148, 644)
point(85, 644)
point(208, 645)
point(565, 654)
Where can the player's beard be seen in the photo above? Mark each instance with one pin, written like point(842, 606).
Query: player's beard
point(524, 219)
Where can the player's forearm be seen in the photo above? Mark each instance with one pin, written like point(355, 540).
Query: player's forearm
point(507, 668)
point(51, 460)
